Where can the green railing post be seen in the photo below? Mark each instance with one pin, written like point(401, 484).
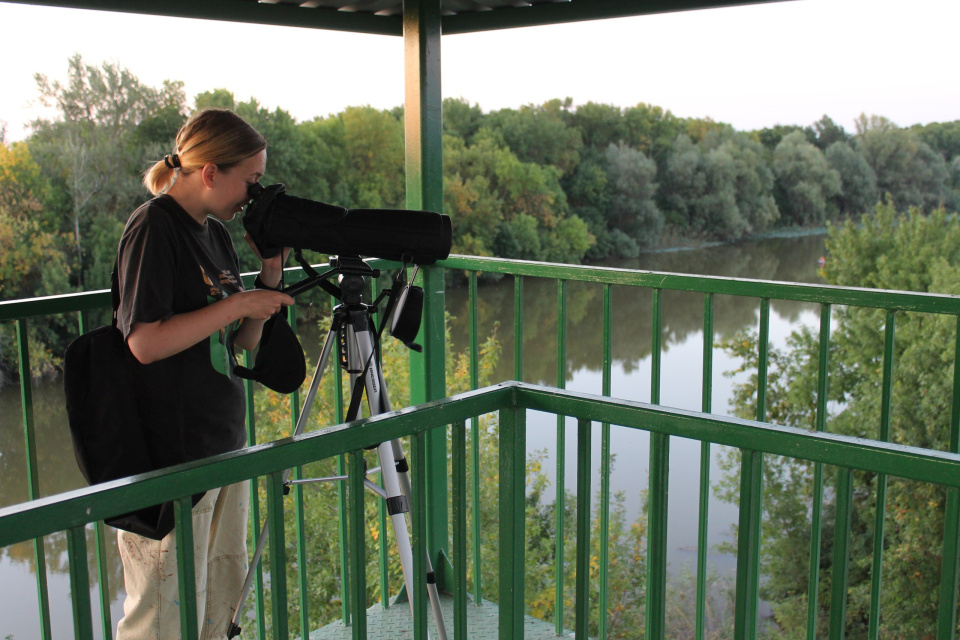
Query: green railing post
point(460, 558)
point(560, 536)
point(841, 554)
point(747, 603)
point(947, 618)
point(33, 471)
point(582, 603)
point(254, 513)
point(606, 464)
point(706, 403)
point(278, 556)
point(475, 444)
point(357, 545)
point(880, 510)
point(186, 569)
point(513, 451)
point(79, 583)
point(418, 522)
point(658, 494)
point(816, 524)
point(423, 132)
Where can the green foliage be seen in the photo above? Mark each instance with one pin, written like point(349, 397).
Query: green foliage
point(905, 166)
point(806, 182)
point(888, 250)
point(858, 182)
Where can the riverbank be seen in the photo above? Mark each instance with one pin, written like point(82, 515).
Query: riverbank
point(687, 244)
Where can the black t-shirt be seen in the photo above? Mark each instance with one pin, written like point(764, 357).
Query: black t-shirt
point(169, 264)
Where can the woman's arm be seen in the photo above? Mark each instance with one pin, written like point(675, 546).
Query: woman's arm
point(152, 341)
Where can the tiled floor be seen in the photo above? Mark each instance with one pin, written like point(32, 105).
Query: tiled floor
point(396, 623)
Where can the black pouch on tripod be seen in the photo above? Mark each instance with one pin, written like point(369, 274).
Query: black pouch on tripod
point(280, 364)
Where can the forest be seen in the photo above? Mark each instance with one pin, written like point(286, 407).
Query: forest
point(552, 182)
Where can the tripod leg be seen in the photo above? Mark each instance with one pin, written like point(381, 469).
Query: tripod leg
point(330, 340)
point(395, 479)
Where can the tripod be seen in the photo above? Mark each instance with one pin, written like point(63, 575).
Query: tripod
point(354, 331)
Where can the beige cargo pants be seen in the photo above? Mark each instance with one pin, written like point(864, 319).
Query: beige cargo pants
point(151, 610)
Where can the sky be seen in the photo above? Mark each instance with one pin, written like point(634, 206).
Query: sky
point(752, 67)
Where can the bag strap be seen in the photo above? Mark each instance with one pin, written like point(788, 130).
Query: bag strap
point(115, 289)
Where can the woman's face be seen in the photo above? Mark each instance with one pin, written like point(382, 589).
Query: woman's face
point(229, 194)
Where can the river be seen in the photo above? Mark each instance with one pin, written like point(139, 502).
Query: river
point(792, 259)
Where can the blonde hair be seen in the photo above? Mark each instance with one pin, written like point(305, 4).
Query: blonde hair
point(213, 135)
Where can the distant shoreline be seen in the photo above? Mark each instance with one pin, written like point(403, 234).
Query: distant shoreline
point(693, 245)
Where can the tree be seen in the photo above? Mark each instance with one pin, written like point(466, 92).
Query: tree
point(539, 134)
point(461, 119)
point(652, 130)
point(906, 168)
point(753, 179)
point(805, 180)
point(887, 250)
point(858, 182)
point(89, 147)
point(32, 254)
point(600, 125)
point(633, 187)
point(829, 132)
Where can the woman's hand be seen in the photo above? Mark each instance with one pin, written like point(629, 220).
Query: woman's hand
point(260, 304)
point(271, 269)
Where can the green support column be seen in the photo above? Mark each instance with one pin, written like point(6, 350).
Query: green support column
point(424, 177)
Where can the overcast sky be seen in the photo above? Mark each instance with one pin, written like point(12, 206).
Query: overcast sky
point(753, 66)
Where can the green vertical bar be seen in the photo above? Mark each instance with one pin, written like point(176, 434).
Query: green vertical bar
point(103, 570)
point(560, 474)
point(763, 359)
point(518, 328)
point(841, 554)
point(605, 465)
point(746, 607)
point(813, 570)
point(255, 501)
point(186, 570)
point(706, 404)
point(947, 618)
point(33, 477)
point(79, 583)
point(658, 495)
point(278, 556)
point(423, 132)
point(343, 505)
point(418, 517)
point(512, 497)
point(383, 549)
point(475, 443)
point(460, 561)
point(357, 545)
point(880, 510)
point(656, 338)
point(582, 603)
point(299, 509)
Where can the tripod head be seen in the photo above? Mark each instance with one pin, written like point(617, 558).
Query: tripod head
point(404, 304)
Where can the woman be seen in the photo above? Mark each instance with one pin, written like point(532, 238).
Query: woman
point(180, 296)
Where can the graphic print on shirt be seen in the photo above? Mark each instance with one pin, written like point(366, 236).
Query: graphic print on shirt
point(220, 347)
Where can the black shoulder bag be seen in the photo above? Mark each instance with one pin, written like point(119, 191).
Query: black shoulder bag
point(104, 420)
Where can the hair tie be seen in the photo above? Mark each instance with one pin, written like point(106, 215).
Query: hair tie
point(172, 162)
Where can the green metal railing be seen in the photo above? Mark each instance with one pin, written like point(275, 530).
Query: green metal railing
point(74, 510)
point(40, 517)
